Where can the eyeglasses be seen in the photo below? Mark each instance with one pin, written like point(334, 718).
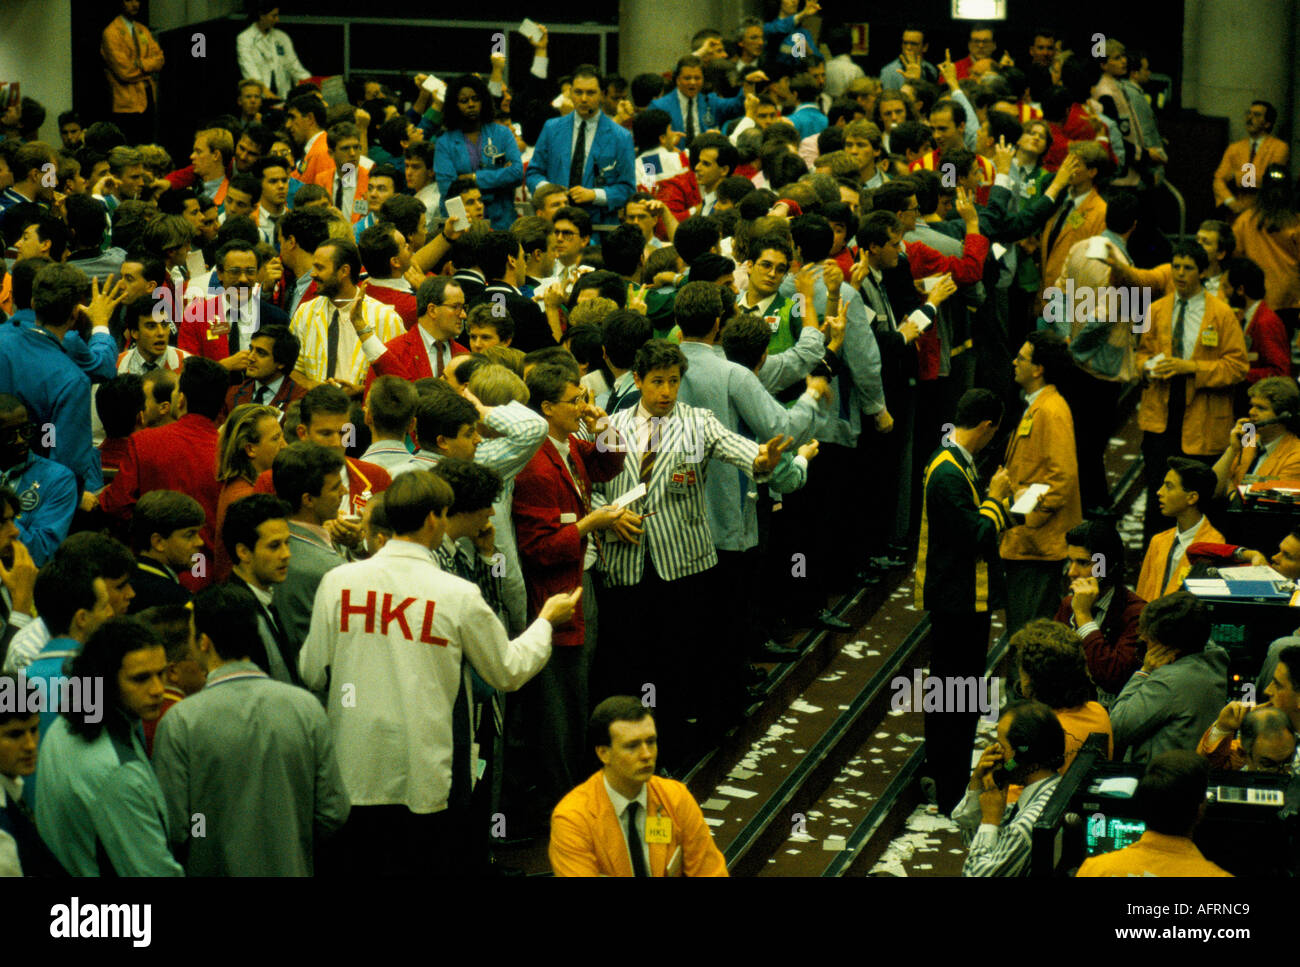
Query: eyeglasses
point(457, 308)
point(16, 434)
point(575, 400)
point(565, 233)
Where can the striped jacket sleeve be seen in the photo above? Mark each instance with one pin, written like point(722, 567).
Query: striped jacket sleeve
point(522, 432)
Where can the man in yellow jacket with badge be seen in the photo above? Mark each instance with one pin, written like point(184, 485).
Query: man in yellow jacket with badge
point(1040, 451)
point(1192, 355)
point(625, 820)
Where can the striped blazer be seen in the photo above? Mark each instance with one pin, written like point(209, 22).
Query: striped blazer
point(677, 535)
point(311, 325)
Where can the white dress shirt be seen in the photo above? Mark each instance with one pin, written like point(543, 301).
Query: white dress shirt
point(620, 804)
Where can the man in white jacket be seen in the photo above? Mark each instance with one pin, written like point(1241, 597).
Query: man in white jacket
point(388, 642)
point(266, 54)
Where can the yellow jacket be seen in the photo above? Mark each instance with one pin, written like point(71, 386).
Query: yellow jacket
point(1153, 565)
point(587, 840)
point(1155, 854)
point(1041, 450)
point(1282, 464)
point(129, 63)
point(1084, 220)
point(1221, 363)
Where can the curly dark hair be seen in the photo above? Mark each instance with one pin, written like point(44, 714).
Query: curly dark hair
point(452, 119)
point(1051, 655)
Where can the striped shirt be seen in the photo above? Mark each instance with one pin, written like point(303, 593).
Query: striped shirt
point(311, 325)
point(1002, 850)
point(677, 535)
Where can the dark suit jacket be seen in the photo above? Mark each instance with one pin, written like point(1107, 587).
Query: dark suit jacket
point(1116, 651)
point(550, 550)
point(288, 393)
point(154, 588)
point(268, 618)
point(532, 331)
point(958, 567)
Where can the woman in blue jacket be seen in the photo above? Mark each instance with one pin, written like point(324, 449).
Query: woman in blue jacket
point(474, 145)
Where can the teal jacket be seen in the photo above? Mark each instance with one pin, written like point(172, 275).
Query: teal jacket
point(99, 807)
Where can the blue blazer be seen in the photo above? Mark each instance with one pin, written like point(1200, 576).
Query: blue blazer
point(500, 169)
point(711, 111)
point(611, 163)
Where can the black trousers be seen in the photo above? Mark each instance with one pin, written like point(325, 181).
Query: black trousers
point(392, 841)
point(959, 645)
point(659, 643)
point(1093, 406)
point(1033, 591)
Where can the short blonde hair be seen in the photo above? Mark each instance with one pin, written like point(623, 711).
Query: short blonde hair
point(495, 385)
point(592, 312)
point(507, 356)
point(219, 139)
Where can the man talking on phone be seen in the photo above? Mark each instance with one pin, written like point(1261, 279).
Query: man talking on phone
point(1029, 751)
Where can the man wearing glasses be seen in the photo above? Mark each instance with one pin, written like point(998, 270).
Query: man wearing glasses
point(47, 491)
point(427, 347)
point(909, 66)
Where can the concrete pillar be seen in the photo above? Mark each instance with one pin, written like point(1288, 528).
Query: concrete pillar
point(42, 61)
point(654, 33)
point(1234, 53)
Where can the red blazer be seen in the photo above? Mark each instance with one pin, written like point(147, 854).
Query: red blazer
point(180, 456)
point(407, 358)
point(1115, 651)
point(403, 303)
point(967, 270)
point(550, 550)
point(1266, 335)
point(364, 480)
point(680, 194)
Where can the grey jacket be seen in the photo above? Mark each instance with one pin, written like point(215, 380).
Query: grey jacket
point(247, 768)
point(1172, 707)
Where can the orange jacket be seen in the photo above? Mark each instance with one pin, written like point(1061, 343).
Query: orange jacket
point(1041, 450)
point(129, 63)
point(1086, 219)
point(1221, 363)
point(1277, 253)
point(1155, 854)
point(313, 162)
point(1227, 177)
point(1282, 464)
point(586, 839)
point(1153, 565)
point(325, 178)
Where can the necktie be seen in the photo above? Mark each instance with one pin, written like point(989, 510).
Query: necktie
point(260, 396)
point(634, 841)
point(882, 302)
point(1178, 328)
point(648, 460)
point(150, 366)
point(1056, 229)
point(338, 192)
point(1170, 561)
point(579, 157)
point(1254, 146)
point(332, 345)
point(690, 120)
point(577, 480)
point(441, 364)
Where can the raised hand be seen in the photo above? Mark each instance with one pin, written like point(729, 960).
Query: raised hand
point(769, 454)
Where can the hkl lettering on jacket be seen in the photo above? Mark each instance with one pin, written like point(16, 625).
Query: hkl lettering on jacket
point(389, 615)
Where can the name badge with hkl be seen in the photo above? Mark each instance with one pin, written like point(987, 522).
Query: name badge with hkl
point(1210, 338)
point(773, 322)
point(1026, 426)
point(659, 829)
